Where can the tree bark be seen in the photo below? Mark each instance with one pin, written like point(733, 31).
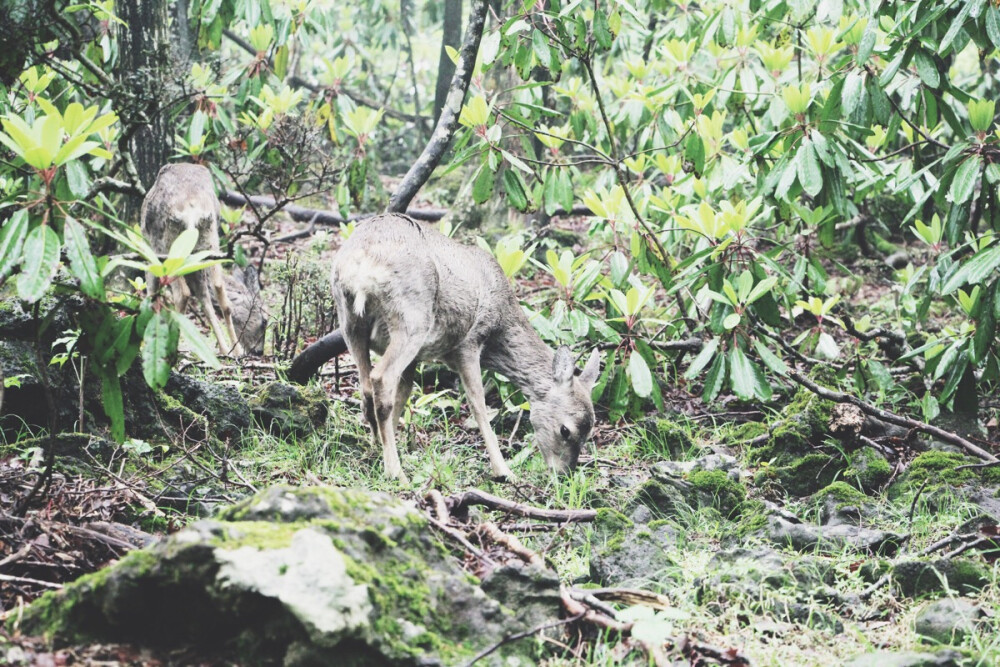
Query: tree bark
point(446, 124)
point(144, 43)
point(446, 68)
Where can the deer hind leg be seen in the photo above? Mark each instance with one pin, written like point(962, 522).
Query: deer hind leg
point(472, 379)
point(219, 287)
point(205, 299)
point(357, 338)
point(392, 380)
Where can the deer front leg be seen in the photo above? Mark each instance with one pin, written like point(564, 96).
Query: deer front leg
point(472, 379)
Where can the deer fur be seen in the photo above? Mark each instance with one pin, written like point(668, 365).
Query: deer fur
point(183, 197)
point(411, 294)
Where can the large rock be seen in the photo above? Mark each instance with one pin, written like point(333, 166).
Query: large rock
point(299, 577)
point(831, 538)
point(907, 659)
point(947, 621)
point(920, 577)
point(289, 410)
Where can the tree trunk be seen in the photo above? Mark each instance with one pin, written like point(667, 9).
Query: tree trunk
point(446, 68)
point(144, 43)
point(448, 121)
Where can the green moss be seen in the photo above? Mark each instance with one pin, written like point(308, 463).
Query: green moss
point(671, 438)
point(869, 468)
point(725, 494)
point(939, 468)
point(753, 518)
point(611, 521)
point(842, 493)
point(991, 475)
point(805, 475)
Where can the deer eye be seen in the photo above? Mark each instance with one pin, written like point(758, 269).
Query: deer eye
point(564, 432)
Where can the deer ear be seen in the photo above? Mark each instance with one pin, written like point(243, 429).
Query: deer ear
point(562, 365)
point(589, 375)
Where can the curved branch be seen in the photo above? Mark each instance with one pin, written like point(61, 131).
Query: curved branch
point(445, 128)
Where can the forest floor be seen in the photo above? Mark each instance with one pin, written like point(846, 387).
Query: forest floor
point(766, 534)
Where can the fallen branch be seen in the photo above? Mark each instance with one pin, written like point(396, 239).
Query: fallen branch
point(521, 635)
point(311, 359)
point(512, 544)
point(891, 417)
point(459, 502)
point(27, 580)
point(320, 216)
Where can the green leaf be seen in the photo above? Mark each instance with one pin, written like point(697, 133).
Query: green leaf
point(770, 359)
point(854, 88)
point(198, 343)
point(184, 244)
point(741, 374)
point(602, 31)
point(41, 260)
point(540, 45)
point(81, 261)
point(975, 270)
point(927, 69)
point(482, 187)
point(12, 236)
point(714, 378)
point(514, 187)
point(964, 182)
point(700, 361)
point(992, 20)
point(642, 380)
point(810, 175)
point(731, 321)
point(159, 342)
point(111, 399)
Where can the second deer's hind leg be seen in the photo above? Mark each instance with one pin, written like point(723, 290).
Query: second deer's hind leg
point(205, 299)
point(222, 298)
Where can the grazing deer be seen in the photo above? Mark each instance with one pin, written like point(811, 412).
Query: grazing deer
point(412, 294)
point(183, 197)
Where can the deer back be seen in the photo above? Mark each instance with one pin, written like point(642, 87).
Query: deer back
point(396, 274)
point(183, 197)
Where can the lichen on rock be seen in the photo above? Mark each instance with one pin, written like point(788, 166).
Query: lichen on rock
point(293, 576)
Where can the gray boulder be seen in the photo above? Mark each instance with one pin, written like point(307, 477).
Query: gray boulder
point(830, 538)
point(907, 659)
point(947, 621)
point(294, 577)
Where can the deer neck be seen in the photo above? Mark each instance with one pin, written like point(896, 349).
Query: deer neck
point(519, 354)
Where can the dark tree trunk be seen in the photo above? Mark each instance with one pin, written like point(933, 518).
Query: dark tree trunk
point(446, 68)
point(144, 61)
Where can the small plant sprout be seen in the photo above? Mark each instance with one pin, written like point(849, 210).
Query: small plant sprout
point(981, 116)
point(931, 234)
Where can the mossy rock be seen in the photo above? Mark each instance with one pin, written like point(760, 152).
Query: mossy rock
point(935, 469)
point(667, 438)
point(868, 468)
point(964, 577)
point(715, 488)
point(636, 556)
point(220, 404)
point(289, 410)
point(293, 576)
point(663, 498)
point(802, 475)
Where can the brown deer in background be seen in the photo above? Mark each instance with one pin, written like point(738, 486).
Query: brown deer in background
point(412, 294)
point(183, 197)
